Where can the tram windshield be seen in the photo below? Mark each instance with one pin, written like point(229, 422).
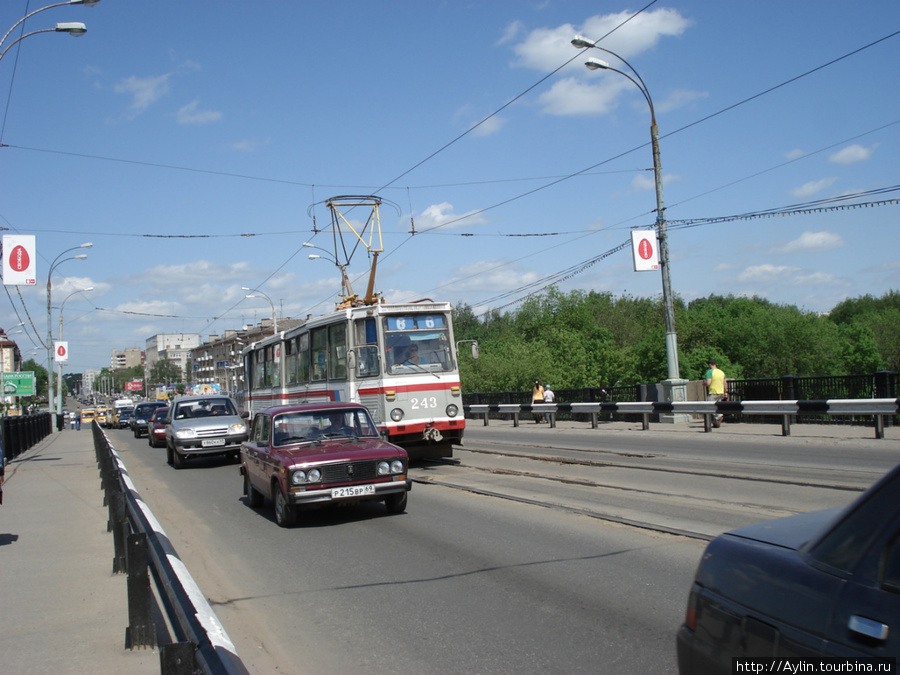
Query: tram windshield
point(417, 343)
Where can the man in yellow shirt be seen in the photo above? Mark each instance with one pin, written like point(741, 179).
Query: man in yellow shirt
point(715, 387)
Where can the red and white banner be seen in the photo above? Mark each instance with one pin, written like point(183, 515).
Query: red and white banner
point(61, 351)
point(134, 385)
point(644, 250)
point(19, 260)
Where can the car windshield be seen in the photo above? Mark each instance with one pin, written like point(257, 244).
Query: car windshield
point(204, 407)
point(296, 427)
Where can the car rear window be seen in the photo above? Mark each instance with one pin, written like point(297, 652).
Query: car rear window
point(843, 545)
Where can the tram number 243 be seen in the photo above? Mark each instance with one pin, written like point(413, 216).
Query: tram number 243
point(424, 403)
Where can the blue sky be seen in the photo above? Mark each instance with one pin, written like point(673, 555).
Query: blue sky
point(205, 121)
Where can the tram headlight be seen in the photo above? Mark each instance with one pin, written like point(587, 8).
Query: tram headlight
point(396, 414)
point(452, 410)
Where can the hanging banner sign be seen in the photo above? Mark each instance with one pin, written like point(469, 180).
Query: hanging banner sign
point(644, 250)
point(19, 260)
point(61, 351)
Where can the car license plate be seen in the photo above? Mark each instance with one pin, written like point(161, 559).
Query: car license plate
point(353, 491)
point(212, 442)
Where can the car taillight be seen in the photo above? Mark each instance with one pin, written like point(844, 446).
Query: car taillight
point(690, 615)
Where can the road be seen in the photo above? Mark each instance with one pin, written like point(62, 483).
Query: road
point(534, 551)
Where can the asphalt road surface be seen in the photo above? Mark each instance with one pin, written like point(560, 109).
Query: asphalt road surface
point(533, 551)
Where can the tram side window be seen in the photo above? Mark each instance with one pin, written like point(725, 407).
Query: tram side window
point(297, 359)
point(319, 354)
point(366, 347)
point(260, 368)
point(337, 342)
point(273, 358)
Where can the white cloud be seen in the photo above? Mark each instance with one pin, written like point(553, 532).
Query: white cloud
point(489, 126)
point(852, 153)
point(189, 114)
point(811, 188)
point(814, 279)
point(679, 99)
point(545, 49)
point(766, 273)
point(570, 96)
point(511, 32)
point(144, 90)
point(813, 242)
point(489, 275)
point(249, 146)
point(794, 154)
point(442, 215)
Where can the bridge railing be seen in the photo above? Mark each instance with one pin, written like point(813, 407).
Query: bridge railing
point(878, 408)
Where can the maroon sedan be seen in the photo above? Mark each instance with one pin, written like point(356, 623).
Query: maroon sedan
point(313, 455)
point(156, 428)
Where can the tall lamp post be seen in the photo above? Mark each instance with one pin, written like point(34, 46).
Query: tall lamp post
point(72, 28)
point(254, 293)
point(346, 289)
point(675, 385)
point(59, 376)
point(51, 399)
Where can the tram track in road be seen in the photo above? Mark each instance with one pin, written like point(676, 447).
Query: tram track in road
point(649, 491)
point(593, 463)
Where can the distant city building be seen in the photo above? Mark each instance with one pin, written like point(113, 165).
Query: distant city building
point(218, 360)
point(10, 356)
point(176, 347)
point(88, 379)
point(126, 358)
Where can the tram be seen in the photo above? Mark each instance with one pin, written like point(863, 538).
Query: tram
point(399, 360)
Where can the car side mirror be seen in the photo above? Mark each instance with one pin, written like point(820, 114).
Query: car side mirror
point(245, 415)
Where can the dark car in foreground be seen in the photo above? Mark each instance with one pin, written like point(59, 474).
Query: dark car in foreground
point(821, 584)
point(314, 455)
point(141, 415)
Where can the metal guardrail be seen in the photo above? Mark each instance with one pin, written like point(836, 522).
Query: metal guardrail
point(203, 643)
point(877, 407)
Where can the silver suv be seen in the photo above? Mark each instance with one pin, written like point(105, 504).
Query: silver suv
point(203, 425)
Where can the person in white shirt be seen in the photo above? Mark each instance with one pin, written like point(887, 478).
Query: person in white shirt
point(549, 397)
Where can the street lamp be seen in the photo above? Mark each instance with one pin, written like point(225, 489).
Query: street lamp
point(75, 28)
point(260, 294)
point(346, 290)
point(60, 337)
point(674, 379)
point(56, 261)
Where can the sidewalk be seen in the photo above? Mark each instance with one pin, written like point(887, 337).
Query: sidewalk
point(62, 610)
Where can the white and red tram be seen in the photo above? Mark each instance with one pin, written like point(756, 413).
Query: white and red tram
point(398, 360)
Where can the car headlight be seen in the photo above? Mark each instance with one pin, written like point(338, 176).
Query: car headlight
point(314, 476)
point(298, 478)
point(396, 414)
point(301, 477)
point(185, 433)
point(383, 468)
point(396, 466)
point(452, 410)
point(238, 429)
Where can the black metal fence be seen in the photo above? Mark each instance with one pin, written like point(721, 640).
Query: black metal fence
point(883, 384)
point(20, 432)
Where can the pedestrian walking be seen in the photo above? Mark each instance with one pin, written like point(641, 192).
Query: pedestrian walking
point(537, 396)
point(715, 387)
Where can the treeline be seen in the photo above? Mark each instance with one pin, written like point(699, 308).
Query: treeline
point(594, 339)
